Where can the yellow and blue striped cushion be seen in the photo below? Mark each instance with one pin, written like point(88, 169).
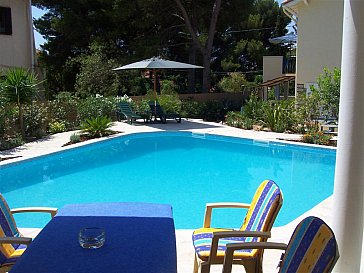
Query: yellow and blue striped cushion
point(256, 219)
point(202, 239)
point(8, 252)
point(312, 248)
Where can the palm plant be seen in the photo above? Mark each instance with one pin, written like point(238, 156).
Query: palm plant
point(96, 126)
point(19, 86)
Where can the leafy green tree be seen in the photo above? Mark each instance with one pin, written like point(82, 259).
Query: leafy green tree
point(19, 86)
point(197, 31)
point(328, 91)
point(234, 83)
point(96, 75)
point(244, 50)
point(127, 31)
point(203, 42)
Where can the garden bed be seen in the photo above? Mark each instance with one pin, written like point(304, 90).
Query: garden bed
point(86, 137)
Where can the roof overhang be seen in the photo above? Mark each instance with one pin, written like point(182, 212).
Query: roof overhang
point(290, 8)
point(293, 3)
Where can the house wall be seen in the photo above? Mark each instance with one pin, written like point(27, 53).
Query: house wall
point(319, 38)
point(272, 67)
point(17, 49)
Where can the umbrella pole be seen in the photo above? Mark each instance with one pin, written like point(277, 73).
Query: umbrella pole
point(155, 93)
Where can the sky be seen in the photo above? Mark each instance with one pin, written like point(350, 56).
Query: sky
point(39, 40)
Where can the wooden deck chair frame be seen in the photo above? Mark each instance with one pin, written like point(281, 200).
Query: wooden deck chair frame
point(16, 239)
point(230, 248)
point(250, 265)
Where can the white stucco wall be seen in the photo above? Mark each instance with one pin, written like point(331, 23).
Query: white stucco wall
point(17, 49)
point(319, 38)
point(272, 67)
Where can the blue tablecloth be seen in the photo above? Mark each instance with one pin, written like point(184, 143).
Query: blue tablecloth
point(140, 238)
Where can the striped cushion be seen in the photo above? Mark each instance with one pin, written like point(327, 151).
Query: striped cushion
point(312, 248)
point(8, 252)
point(14, 256)
point(202, 239)
point(256, 219)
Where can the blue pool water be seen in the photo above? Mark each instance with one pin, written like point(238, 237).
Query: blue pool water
point(183, 169)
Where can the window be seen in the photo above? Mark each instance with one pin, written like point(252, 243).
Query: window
point(5, 21)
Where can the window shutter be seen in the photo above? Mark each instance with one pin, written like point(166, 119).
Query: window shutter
point(8, 23)
point(5, 21)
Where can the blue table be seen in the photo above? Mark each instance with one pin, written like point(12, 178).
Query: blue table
point(140, 238)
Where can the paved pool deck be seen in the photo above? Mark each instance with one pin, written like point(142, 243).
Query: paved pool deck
point(185, 252)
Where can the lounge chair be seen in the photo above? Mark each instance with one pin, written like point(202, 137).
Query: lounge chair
point(210, 243)
point(158, 112)
point(126, 112)
point(12, 244)
point(312, 248)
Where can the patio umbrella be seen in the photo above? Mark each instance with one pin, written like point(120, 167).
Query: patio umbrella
point(155, 64)
point(286, 39)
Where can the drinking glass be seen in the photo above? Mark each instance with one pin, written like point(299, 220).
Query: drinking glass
point(91, 237)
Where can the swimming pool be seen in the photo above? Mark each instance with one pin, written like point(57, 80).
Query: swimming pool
point(184, 169)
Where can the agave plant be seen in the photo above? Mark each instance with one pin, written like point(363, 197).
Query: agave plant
point(96, 126)
point(19, 86)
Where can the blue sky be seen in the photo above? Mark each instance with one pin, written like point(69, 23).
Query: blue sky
point(39, 40)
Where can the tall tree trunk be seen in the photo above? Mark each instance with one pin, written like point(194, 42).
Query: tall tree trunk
point(208, 47)
point(206, 80)
point(191, 72)
point(206, 50)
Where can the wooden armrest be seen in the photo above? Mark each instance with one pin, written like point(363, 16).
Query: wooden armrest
point(15, 240)
point(255, 245)
point(210, 206)
point(240, 233)
point(52, 211)
point(236, 233)
point(230, 248)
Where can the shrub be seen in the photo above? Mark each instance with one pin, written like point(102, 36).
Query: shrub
point(57, 127)
point(278, 115)
point(19, 86)
point(328, 91)
point(11, 142)
point(168, 87)
point(253, 108)
point(316, 138)
point(75, 138)
point(170, 103)
point(64, 108)
point(141, 106)
point(97, 106)
point(8, 119)
point(233, 83)
point(192, 109)
point(213, 111)
point(124, 98)
point(96, 126)
point(258, 79)
point(307, 109)
point(239, 120)
point(35, 119)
